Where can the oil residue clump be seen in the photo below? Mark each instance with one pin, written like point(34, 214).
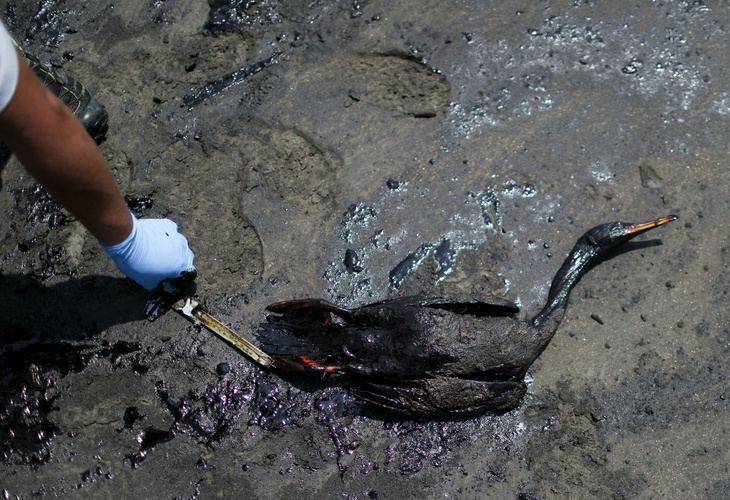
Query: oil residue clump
point(25, 429)
point(31, 366)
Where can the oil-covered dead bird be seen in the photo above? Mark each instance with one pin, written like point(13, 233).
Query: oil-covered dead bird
point(431, 356)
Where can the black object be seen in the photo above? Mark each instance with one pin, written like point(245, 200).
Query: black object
point(431, 356)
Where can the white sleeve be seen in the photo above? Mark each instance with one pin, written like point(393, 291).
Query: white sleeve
point(8, 67)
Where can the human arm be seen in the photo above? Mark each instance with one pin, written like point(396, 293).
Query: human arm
point(57, 151)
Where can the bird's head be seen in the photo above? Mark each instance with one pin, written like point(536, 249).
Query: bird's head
point(607, 236)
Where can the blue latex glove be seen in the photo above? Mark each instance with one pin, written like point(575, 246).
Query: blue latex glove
point(152, 252)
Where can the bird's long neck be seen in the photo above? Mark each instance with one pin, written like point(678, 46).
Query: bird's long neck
point(581, 259)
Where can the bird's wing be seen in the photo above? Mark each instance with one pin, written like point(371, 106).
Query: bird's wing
point(486, 306)
point(439, 397)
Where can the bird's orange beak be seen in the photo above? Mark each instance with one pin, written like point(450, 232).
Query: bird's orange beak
point(643, 226)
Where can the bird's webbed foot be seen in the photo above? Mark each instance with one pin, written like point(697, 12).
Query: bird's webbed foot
point(310, 310)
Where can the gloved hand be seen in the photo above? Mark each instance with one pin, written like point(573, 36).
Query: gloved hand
point(152, 252)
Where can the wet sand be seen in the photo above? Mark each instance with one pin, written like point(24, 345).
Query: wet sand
point(454, 148)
